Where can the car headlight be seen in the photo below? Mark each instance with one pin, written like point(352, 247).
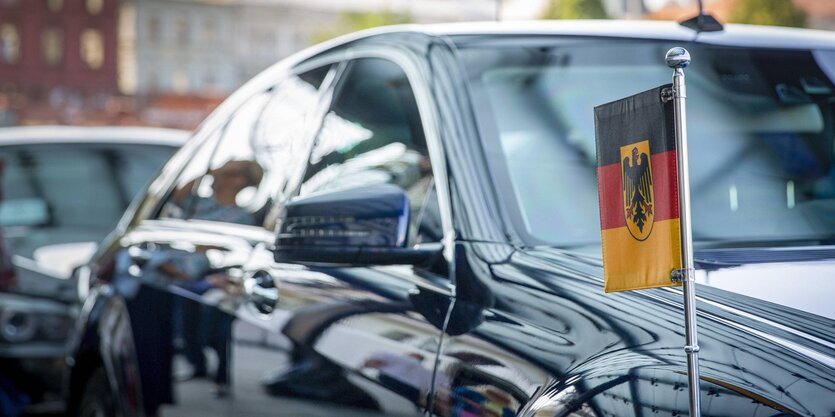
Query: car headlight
point(17, 326)
point(24, 319)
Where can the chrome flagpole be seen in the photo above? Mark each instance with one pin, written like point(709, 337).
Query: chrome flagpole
point(678, 58)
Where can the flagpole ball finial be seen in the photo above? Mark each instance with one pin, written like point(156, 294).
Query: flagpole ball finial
point(677, 57)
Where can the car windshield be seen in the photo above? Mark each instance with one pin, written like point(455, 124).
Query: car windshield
point(760, 126)
point(59, 200)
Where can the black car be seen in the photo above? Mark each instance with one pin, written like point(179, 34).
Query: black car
point(63, 190)
point(405, 222)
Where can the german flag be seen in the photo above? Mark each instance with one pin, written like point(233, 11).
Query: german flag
point(637, 184)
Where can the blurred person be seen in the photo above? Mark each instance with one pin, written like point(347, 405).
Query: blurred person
point(153, 307)
point(8, 278)
point(215, 327)
point(12, 398)
point(206, 325)
point(227, 182)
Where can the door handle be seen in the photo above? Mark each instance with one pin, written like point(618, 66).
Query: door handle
point(141, 254)
point(261, 292)
point(135, 259)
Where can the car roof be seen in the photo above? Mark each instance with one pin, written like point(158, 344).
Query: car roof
point(732, 35)
point(99, 134)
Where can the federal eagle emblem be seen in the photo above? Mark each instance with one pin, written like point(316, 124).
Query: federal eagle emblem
point(637, 189)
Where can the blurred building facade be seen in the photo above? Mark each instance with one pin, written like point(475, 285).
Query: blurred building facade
point(211, 47)
point(168, 62)
point(162, 62)
point(177, 47)
point(56, 54)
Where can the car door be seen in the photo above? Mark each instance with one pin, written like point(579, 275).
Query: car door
point(363, 340)
point(199, 348)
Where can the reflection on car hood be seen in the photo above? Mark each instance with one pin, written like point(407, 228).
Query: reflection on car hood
point(786, 302)
point(795, 277)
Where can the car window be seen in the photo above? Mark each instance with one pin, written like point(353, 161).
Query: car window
point(84, 187)
point(282, 139)
point(59, 199)
point(175, 206)
point(761, 155)
point(373, 134)
point(240, 179)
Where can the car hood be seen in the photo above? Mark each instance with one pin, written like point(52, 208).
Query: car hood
point(787, 303)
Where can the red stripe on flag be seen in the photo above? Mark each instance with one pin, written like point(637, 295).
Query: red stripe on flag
point(664, 184)
point(610, 193)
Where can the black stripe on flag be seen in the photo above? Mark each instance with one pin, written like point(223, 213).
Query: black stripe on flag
point(643, 116)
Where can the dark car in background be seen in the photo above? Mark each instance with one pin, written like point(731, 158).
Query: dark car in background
point(64, 189)
point(405, 221)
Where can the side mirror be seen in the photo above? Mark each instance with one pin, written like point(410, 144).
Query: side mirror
point(359, 226)
point(24, 212)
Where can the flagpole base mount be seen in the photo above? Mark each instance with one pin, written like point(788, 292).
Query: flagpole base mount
point(683, 274)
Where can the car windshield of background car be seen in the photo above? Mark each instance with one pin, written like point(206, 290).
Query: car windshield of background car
point(83, 190)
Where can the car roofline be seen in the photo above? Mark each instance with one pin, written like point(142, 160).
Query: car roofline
point(733, 35)
point(55, 134)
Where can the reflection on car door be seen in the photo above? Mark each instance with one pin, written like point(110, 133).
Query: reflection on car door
point(356, 342)
point(220, 328)
point(365, 339)
point(181, 324)
point(198, 347)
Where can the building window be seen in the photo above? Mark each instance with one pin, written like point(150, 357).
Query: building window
point(181, 31)
point(209, 82)
point(179, 82)
point(52, 46)
point(9, 43)
point(210, 31)
point(153, 29)
point(54, 5)
point(94, 6)
point(92, 48)
point(151, 82)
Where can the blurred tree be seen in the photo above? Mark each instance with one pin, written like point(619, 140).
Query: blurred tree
point(575, 9)
point(353, 21)
point(769, 12)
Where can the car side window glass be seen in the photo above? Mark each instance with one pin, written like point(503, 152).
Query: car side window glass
point(282, 139)
point(175, 206)
point(226, 192)
point(372, 134)
point(263, 143)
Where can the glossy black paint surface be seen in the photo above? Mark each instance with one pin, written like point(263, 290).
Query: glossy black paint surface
point(621, 354)
point(326, 344)
point(492, 329)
